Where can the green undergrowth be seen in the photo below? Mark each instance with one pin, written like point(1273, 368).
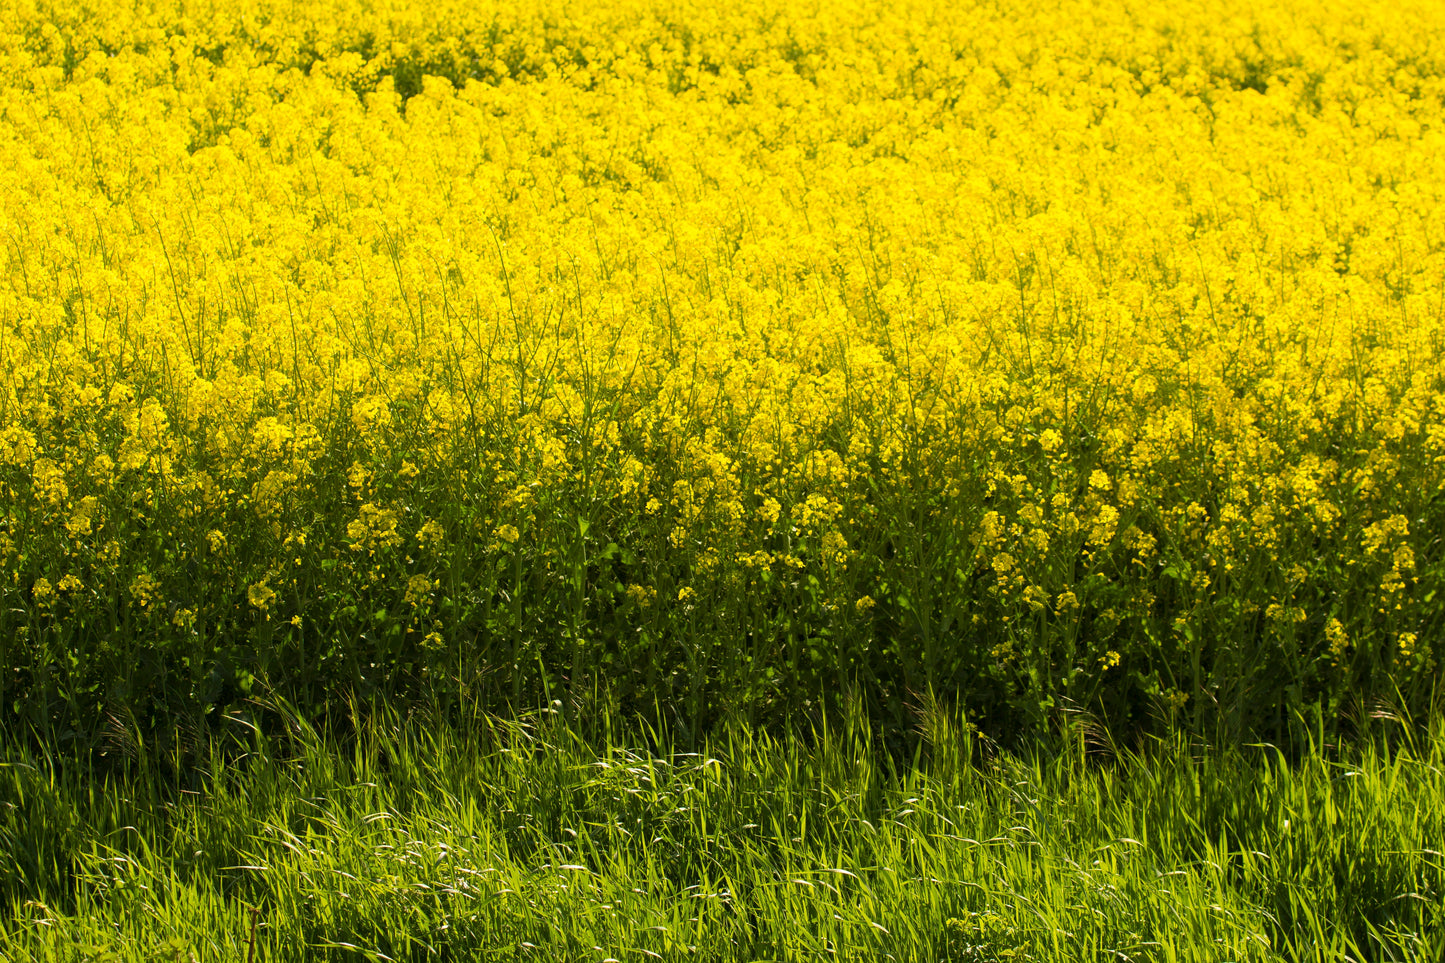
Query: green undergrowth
point(521, 839)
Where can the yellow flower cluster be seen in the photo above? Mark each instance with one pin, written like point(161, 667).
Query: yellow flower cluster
point(991, 341)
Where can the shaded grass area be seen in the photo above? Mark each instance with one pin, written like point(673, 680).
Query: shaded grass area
point(521, 839)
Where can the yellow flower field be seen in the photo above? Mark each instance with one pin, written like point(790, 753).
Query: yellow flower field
point(724, 358)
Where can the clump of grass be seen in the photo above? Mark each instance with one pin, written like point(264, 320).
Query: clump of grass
point(523, 839)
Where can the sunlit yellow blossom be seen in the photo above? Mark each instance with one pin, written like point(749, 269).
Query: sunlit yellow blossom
point(374, 529)
point(143, 590)
point(431, 533)
point(1337, 638)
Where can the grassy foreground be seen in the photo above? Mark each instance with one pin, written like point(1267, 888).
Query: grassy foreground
point(523, 841)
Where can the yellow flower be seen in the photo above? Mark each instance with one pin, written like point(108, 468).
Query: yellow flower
point(418, 589)
point(1338, 640)
point(261, 594)
point(374, 529)
point(430, 534)
point(143, 590)
point(643, 595)
point(81, 520)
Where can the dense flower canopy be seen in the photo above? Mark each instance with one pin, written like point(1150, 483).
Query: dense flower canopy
point(734, 354)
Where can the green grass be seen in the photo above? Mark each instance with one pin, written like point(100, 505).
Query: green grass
point(419, 840)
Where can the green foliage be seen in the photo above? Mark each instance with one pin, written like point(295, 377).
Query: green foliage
point(481, 839)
